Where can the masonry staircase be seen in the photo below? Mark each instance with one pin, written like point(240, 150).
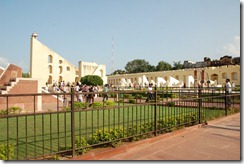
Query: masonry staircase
point(8, 86)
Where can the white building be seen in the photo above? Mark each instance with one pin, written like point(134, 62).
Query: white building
point(48, 66)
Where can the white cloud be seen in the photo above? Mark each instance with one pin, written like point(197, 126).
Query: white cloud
point(233, 49)
point(3, 62)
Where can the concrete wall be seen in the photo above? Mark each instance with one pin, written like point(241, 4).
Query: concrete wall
point(92, 68)
point(210, 73)
point(48, 66)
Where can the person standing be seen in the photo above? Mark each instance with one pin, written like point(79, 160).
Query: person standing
point(150, 93)
point(80, 95)
point(228, 92)
point(77, 89)
point(90, 96)
point(105, 95)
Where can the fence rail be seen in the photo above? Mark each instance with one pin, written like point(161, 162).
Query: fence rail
point(64, 126)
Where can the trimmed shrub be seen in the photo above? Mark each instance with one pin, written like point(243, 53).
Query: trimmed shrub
point(80, 143)
point(3, 112)
point(106, 135)
point(132, 101)
point(6, 151)
point(174, 95)
point(171, 104)
point(14, 110)
point(97, 105)
point(126, 96)
point(80, 105)
point(109, 103)
point(138, 96)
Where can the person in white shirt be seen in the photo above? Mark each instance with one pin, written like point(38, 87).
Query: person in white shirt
point(150, 93)
point(80, 96)
point(228, 92)
point(77, 89)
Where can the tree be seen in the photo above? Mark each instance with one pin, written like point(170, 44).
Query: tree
point(177, 65)
point(138, 65)
point(151, 68)
point(92, 80)
point(163, 66)
point(25, 75)
point(118, 72)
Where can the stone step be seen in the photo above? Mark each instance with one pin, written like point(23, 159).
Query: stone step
point(3, 92)
point(7, 84)
point(3, 88)
point(12, 80)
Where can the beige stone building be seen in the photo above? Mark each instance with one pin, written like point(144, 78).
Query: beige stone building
point(48, 66)
point(191, 77)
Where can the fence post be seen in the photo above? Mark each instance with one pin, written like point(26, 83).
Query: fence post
point(199, 104)
point(72, 122)
point(155, 112)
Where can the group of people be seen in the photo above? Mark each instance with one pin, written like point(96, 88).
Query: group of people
point(84, 93)
point(89, 97)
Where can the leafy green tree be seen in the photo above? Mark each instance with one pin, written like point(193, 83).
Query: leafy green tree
point(92, 80)
point(151, 68)
point(163, 66)
point(25, 75)
point(138, 65)
point(177, 65)
point(118, 72)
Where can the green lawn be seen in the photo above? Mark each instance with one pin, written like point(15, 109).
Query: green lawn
point(43, 134)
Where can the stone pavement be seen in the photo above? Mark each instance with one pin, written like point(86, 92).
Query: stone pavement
point(219, 140)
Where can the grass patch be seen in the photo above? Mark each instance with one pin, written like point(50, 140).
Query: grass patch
point(45, 134)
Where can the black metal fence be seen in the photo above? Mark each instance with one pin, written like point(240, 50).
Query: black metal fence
point(65, 127)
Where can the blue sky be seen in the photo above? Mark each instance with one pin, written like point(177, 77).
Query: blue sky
point(153, 30)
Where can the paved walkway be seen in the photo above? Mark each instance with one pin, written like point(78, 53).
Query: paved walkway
point(219, 140)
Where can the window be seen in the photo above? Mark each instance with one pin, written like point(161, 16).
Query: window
point(60, 69)
point(67, 68)
point(60, 61)
point(50, 68)
point(224, 75)
point(214, 77)
point(50, 79)
point(60, 78)
point(50, 59)
point(101, 73)
point(234, 76)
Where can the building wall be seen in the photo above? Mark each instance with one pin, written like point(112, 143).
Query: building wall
point(1, 70)
point(210, 73)
point(48, 66)
point(23, 86)
point(91, 68)
point(12, 71)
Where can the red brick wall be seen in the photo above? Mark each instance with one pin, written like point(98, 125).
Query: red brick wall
point(25, 102)
point(12, 71)
point(28, 86)
point(1, 71)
